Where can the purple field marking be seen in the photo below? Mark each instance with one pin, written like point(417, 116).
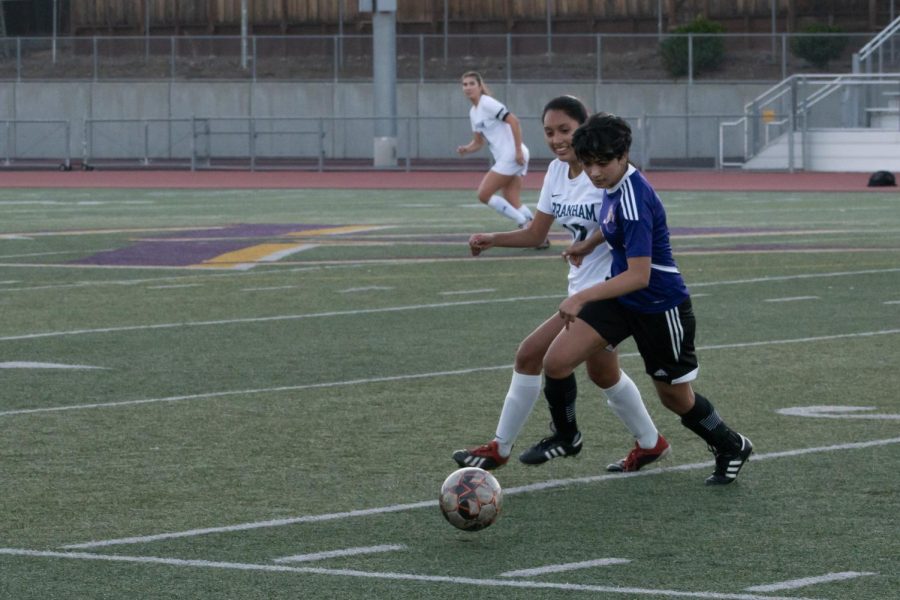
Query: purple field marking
point(193, 247)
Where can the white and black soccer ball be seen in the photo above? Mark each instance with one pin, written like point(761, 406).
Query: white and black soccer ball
point(471, 499)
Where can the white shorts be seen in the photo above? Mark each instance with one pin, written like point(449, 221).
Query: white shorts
point(509, 166)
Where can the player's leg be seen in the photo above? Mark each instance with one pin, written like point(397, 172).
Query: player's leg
point(666, 343)
point(697, 413)
point(494, 182)
point(512, 192)
point(524, 390)
point(624, 399)
point(569, 349)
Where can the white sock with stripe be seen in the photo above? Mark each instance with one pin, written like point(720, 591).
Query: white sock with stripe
point(526, 212)
point(502, 206)
point(624, 399)
point(523, 393)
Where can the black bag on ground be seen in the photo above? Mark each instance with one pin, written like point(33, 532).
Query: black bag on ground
point(882, 179)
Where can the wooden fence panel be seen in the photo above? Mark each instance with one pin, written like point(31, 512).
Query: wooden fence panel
point(103, 14)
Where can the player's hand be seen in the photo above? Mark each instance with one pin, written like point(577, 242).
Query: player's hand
point(480, 242)
point(569, 309)
point(520, 157)
point(576, 252)
point(461, 150)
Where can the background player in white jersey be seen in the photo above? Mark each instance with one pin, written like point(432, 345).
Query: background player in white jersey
point(492, 122)
point(569, 197)
point(645, 297)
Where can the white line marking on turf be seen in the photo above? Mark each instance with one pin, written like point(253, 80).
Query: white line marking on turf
point(173, 286)
point(798, 583)
point(340, 553)
point(367, 288)
point(329, 384)
point(791, 299)
point(337, 313)
point(288, 388)
point(586, 564)
point(544, 485)
point(835, 412)
point(42, 365)
point(461, 292)
point(466, 581)
point(270, 288)
point(893, 302)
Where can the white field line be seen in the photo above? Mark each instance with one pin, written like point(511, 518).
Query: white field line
point(340, 553)
point(336, 313)
point(270, 288)
point(837, 412)
point(463, 292)
point(194, 274)
point(42, 365)
point(893, 302)
point(399, 308)
point(329, 384)
point(173, 286)
point(791, 299)
point(464, 581)
point(368, 288)
point(585, 564)
point(798, 583)
point(534, 487)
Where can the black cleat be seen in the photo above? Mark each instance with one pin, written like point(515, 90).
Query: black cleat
point(551, 447)
point(728, 464)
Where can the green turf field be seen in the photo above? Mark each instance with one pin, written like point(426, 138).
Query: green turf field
point(273, 418)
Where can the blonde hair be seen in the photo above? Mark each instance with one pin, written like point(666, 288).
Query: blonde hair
point(477, 77)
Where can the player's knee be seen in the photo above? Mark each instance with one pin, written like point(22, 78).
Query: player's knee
point(605, 378)
point(556, 368)
point(484, 197)
point(528, 359)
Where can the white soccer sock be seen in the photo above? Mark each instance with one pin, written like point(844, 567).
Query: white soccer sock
point(526, 211)
point(624, 399)
point(524, 391)
point(502, 206)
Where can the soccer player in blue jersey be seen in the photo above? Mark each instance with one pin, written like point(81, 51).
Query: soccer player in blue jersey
point(644, 297)
point(568, 197)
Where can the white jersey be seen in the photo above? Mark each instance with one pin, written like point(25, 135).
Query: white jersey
point(575, 203)
point(487, 119)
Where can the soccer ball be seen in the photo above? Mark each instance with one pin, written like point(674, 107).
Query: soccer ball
point(471, 499)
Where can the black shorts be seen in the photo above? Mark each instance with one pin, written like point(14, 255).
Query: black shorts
point(665, 340)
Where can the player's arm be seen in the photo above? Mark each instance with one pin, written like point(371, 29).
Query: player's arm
point(576, 252)
point(529, 237)
point(474, 146)
point(635, 277)
point(516, 128)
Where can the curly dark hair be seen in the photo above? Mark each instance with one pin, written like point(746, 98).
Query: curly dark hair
point(602, 139)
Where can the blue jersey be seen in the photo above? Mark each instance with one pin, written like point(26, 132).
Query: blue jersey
point(634, 223)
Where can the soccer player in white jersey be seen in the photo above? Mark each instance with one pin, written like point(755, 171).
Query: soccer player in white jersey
point(645, 297)
point(492, 122)
point(569, 197)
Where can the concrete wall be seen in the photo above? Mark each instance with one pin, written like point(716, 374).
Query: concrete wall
point(433, 117)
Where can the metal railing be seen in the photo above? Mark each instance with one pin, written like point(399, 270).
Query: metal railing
point(884, 44)
point(336, 58)
point(36, 142)
point(673, 141)
point(841, 101)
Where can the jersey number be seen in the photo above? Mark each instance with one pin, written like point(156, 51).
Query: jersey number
point(579, 232)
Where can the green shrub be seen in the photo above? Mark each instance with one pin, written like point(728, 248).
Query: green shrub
point(708, 52)
point(820, 49)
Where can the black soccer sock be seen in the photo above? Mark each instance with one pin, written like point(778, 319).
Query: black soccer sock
point(560, 394)
point(703, 420)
